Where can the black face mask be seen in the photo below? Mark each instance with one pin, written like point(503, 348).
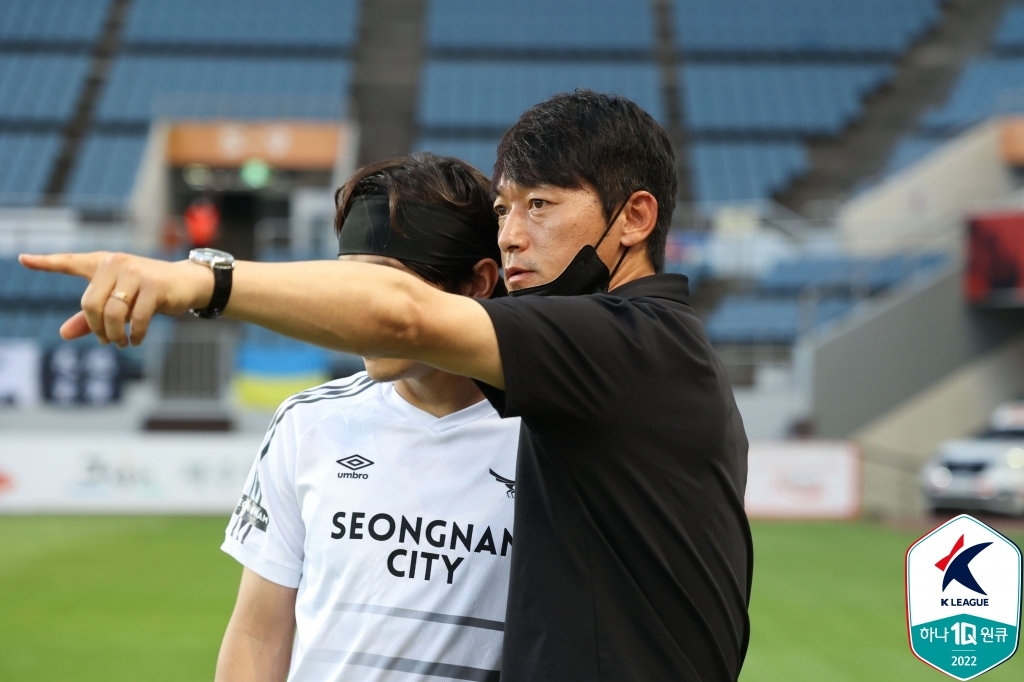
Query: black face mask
point(586, 274)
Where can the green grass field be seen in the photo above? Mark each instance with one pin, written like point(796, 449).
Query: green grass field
point(112, 599)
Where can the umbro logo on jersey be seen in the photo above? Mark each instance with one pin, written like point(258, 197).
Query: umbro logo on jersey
point(354, 463)
point(509, 483)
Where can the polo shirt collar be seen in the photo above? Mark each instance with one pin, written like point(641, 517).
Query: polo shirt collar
point(670, 286)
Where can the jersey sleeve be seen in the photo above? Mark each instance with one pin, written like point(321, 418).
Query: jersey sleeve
point(266, 533)
point(568, 357)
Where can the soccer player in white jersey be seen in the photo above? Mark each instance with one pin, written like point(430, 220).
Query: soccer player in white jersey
point(376, 525)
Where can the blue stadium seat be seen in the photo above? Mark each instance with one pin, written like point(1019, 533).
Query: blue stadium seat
point(1010, 34)
point(40, 88)
point(541, 25)
point(840, 27)
point(104, 171)
point(847, 274)
point(790, 98)
point(52, 21)
point(26, 160)
point(986, 87)
point(744, 171)
point(743, 319)
point(143, 87)
point(33, 290)
point(272, 23)
point(478, 153)
point(490, 95)
point(910, 150)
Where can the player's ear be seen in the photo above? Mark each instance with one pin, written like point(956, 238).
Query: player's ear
point(485, 278)
point(640, 215)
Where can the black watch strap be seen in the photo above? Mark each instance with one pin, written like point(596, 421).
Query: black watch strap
point(221, 294)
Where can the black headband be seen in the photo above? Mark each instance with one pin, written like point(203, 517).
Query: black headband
point(430, 234)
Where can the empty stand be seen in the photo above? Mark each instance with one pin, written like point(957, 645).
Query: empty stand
point(298, 24)
point(987, 87)
point(489, 95)
point(477, 152)
point(144, 87)
point(1009, 37)
point(773, 99)
point(801, 27)
point(40, 90)
point(725, 172)
point(27, 159)
point(105, 172)
point(798, 296)
point(65, 23)
point(497, 27)
point(910, 150)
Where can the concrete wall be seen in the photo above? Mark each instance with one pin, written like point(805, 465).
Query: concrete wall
point(149, 202)
point(896, 445)
point(881, 357)
point(929, 199)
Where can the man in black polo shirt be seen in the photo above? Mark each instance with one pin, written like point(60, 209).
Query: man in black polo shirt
point(632, 557)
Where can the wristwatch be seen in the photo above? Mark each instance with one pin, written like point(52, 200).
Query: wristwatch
point(223, 264)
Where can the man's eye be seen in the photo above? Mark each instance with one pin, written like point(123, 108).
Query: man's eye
point(500, 210)
point(537, 203)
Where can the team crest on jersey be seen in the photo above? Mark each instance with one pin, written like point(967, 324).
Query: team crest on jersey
point(509, 483)
point(963, 598)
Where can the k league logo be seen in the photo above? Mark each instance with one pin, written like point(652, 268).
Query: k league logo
point(963, 598)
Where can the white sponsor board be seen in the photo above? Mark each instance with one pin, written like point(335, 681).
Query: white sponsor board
point(803, 479)
point(124, 473)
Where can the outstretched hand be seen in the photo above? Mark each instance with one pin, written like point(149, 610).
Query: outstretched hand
point(125, 289)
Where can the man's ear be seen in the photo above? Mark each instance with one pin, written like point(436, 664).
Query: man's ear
point(485, 278)
point(640, 215)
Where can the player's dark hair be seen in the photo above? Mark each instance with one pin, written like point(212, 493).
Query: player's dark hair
point(606, 142)
point(424, 177)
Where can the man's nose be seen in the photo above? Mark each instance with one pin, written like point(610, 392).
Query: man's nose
point(512, 236)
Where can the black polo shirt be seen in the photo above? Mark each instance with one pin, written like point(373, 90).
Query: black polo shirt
point(632, 557)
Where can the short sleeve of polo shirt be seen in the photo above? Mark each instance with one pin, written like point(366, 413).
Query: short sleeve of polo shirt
point(266, 533)
point(569, 357)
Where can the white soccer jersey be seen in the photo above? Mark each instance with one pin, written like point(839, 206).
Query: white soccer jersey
point(394, 525)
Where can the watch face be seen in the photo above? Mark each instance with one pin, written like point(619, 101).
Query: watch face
point(212, 257)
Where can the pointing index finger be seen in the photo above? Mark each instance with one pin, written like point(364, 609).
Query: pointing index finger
point(78, 264)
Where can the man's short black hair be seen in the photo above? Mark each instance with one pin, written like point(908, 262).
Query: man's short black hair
point(587, 138)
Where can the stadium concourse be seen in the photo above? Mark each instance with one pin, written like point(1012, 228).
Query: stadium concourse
point(833, 158)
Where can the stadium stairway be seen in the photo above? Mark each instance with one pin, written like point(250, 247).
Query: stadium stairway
point(75, 131)
point(387, 72)
point(923, 79)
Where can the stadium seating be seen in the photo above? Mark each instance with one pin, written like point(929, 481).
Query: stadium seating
point(910, 150)
point(477, 152)
point(68, 22)
point(986, 87)
point(1009, 36)
point(593, 26)
point(755, 320)
point(847, 274)
point(268, 23)
point(143, 87)
point(802, 27)
point(26, 160)
point(490, 95)
point(40, 88)
point(787, 98)
point(104, 172)
point(799, 295)
point(744, 171)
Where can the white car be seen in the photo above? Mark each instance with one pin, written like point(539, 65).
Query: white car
point(985, 473)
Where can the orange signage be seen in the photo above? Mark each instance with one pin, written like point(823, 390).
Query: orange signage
point(293, 145)
point(1013, 141)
